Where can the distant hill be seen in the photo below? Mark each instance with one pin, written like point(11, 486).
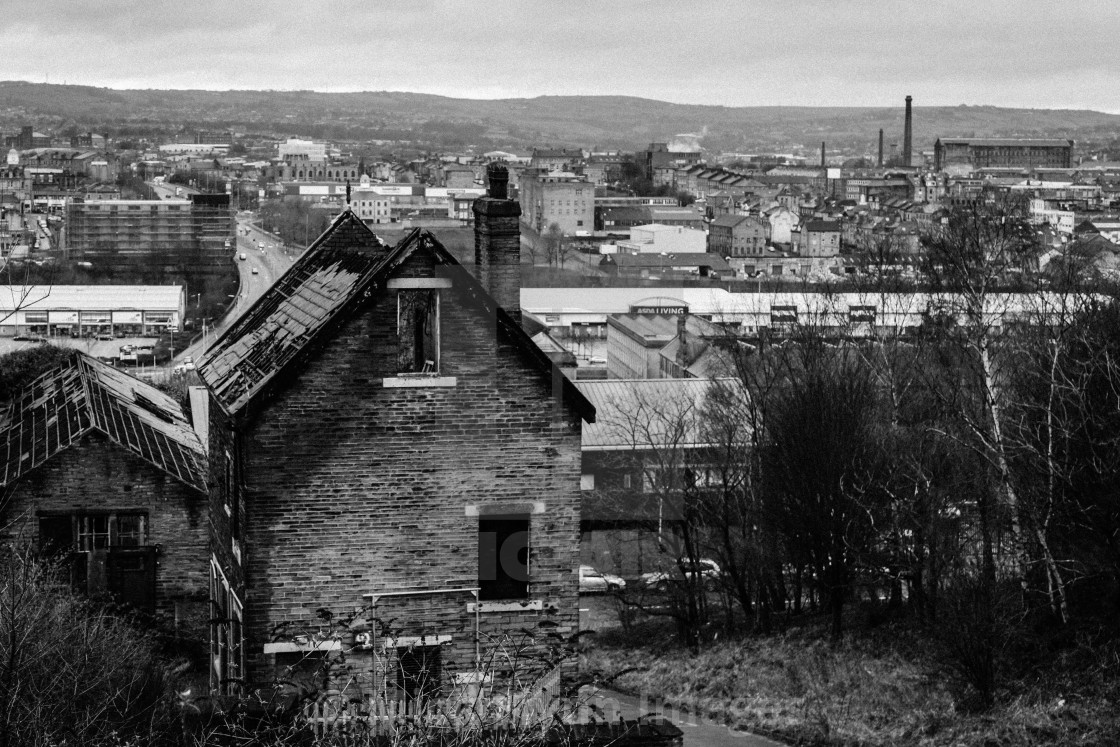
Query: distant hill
point(438, 121)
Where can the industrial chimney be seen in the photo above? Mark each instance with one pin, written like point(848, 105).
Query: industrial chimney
point(823, 164)
point(907, 135)
point(880, 147)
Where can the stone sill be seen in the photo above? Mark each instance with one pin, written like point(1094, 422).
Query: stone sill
point(288, 647)
point(526, 605)
point(401, 382)
point(406, 641)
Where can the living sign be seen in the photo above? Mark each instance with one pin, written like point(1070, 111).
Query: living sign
point(666, 306)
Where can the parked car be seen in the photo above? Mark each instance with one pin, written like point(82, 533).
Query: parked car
point(592, 581)
point(242, 256)
point(105, 336)
point(30, 338)
point(187, 364)
point(662, 580)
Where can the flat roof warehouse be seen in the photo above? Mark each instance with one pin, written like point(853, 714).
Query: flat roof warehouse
point(23, 307)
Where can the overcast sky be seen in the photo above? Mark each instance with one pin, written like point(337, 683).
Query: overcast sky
point(737, 53)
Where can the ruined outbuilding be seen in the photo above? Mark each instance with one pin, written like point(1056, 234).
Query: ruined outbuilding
point(106, 471)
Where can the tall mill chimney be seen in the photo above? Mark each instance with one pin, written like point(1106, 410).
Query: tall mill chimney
point(880, 147)
point(823, 164)
point(497, 242)
point(907, 135)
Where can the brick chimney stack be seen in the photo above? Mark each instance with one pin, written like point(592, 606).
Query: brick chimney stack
point(823, 164)
point(497, 242)
point(880, 147)
point(907, 139)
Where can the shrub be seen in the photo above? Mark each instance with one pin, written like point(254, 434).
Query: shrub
point(70, 672)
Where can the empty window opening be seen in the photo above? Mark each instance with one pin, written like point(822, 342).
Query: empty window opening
point(418, 331)
point(503, 557)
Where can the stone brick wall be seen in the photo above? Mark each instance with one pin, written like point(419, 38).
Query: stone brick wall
point(96, 475)
point(497, 251)
point(352, 488)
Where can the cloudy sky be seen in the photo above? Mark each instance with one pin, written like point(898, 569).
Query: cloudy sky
point(740, 52)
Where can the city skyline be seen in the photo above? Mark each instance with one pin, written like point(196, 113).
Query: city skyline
point(1000, 53)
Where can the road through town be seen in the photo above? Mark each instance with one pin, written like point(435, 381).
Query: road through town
point(264, 253)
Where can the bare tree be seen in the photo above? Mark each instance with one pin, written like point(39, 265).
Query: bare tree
point(553, 240)
point(971, 261)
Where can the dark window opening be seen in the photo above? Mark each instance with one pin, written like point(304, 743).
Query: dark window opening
point(503, 557)
point(106, 553)
point(418, 331)
point(419, 672)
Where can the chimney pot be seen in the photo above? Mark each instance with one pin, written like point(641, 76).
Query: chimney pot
point(498, 176)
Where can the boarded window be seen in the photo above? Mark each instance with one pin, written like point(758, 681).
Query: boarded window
point(418, 331)
point(106, 552)
point(503, 557)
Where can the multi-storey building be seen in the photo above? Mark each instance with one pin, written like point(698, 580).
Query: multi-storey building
point(175, 236)
point(659, 155)
point(556, 159)
point(302, 167)
point(970, 154)
point(558, 197)
point(820, 238)
point(371, 206)
point(27, 139)
point(296, 147)
point(738, 236)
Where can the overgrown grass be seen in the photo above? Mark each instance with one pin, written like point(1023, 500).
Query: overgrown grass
point(885, 686)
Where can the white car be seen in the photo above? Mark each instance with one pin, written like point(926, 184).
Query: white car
point(592, 581)
point(661, 580)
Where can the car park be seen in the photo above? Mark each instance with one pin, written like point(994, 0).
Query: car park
point(709, 573)
point(594, 581)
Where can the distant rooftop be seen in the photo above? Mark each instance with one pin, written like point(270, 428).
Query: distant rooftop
point(1007, 141)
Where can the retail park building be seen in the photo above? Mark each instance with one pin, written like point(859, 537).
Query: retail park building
point(77, 310)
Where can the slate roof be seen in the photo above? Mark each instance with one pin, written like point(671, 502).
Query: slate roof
point(729, 220)
point(334, 277)
point(64, 404)
point(304, 300)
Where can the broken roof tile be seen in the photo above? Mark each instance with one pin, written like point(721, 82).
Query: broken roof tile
point(64, 404)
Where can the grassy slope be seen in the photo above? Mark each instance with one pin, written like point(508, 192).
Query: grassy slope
point(880, 687)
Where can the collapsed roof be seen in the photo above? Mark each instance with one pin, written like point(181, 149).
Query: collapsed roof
point(82, 396)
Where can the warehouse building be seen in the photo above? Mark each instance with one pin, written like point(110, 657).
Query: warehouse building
point(90, 310)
